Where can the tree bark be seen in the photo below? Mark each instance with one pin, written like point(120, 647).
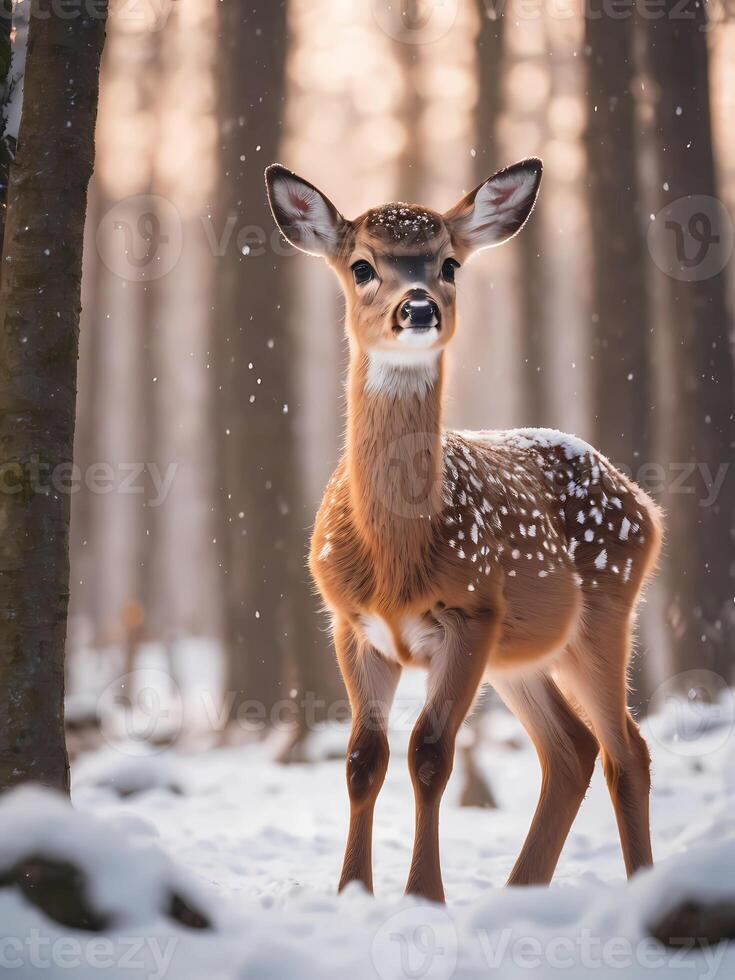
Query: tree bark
point(489, 85)
point(271, 628)
point(148, 439)
point(84, 602)
point(620, 332)
point(532, 299)
point(39, 317)
point(700, 565)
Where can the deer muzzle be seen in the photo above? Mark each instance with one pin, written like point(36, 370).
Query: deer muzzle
point(418, 312)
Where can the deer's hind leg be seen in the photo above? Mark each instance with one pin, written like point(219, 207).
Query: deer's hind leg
point(371, 683)
point(567, 751)
point(594, 671)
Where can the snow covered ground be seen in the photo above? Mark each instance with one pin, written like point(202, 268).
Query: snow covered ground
point(258, 848)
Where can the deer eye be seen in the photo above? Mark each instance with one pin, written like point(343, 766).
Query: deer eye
point(448, 269)
point(363, 272)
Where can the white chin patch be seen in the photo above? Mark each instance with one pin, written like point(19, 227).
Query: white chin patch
point(404, 371)
point(418, 339)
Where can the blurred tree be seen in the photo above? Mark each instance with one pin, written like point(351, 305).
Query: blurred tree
point(489, 89)
point(39, 318)
point(146, 569)
point(272, 639)
point(700, 566)
point(534, 321)
point(620, 334)
point(85, 602)
point(475, 789)
point(411, 162)
point(524, 69)
point(96, 605)
point(620, 328)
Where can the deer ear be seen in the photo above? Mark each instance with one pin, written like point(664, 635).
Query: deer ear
point(497, 209)
point(306, 218)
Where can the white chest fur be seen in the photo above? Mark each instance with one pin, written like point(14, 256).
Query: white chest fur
point(420, 637)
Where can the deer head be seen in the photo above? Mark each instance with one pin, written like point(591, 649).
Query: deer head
point(397, 263)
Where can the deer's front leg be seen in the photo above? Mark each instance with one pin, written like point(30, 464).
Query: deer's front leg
point(455, 674)
point(371, 685)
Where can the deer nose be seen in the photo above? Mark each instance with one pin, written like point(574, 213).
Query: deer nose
point(419, 312)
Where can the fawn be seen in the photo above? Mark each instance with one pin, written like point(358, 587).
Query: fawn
point(514, 557)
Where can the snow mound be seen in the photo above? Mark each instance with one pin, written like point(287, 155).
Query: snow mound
point(131, 776)
point(63, 860)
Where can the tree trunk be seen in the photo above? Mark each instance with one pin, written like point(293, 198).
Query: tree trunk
point(620, 332)
point(39, 317)
point(533, 318)
point(147, 569)
point(533, 326)
point(489, 84)
point(476, 789)
point(271, 626)
point(700, 565)
point(84, 604)
point(411, 166)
